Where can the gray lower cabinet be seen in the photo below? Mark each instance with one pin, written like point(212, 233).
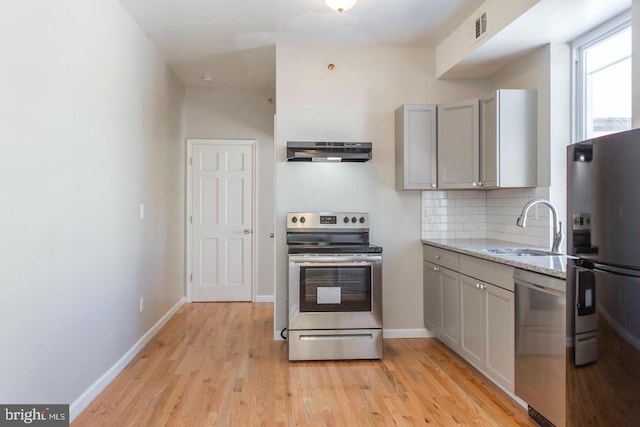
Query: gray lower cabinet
point(442, 295)
point(473, 325)
point(500, 339)
point(432, 296)
point(487, 329)
point(469, 306)
point(442, 303)
point(450, 309)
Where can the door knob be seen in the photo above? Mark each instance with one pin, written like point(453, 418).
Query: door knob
point(271, 235)
point(247, 231)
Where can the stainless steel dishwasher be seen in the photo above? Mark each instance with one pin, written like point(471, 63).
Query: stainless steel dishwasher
point(540, 345)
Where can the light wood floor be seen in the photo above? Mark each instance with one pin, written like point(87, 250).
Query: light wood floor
point(216, 364)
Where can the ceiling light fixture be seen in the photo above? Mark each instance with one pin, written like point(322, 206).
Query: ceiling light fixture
point(340, 5)
point(207, 78)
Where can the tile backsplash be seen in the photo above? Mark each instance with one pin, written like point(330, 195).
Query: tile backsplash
point(454, 214)
point(485, 214)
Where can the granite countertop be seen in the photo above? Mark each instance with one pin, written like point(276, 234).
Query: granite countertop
point(552, 265)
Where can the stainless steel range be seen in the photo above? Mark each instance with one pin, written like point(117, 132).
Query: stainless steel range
point(335, 287)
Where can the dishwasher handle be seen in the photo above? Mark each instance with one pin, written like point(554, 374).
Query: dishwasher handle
point(539, 288)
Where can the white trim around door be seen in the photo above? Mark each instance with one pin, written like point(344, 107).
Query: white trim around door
point(209, 272)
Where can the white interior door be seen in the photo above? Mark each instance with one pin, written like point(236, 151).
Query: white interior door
point(222, 220)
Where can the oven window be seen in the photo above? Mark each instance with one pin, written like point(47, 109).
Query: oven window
point(338, 289)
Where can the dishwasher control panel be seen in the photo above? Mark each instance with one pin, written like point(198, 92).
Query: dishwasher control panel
point(540, 280)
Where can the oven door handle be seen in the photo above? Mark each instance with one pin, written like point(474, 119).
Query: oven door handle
point(335, 264)
point(335, 261)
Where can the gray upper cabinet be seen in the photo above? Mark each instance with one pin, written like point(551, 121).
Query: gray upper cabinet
point(508, 139)
point(458, 144)
point(416, 147)
point(489, 143)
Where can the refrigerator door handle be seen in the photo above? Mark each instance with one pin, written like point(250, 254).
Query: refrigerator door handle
point(618, 271)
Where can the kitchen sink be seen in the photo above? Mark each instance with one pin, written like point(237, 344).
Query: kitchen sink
point(521, 252)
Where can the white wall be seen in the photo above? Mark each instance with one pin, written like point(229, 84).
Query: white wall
point(547, 70)
point(635, 22)
point(532, 72)
point(560, 128)
point(454, 53)
point(243, 114)
point(356, 102)
point(91, 126)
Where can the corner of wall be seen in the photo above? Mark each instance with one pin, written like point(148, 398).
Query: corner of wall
point(635, 84)
point(78, 405)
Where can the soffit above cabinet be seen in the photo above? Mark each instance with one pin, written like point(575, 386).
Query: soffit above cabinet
point(515, 28)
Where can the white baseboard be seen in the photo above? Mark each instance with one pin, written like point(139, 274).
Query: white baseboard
point(277, 336)
point(407, 333)
point(94, 389)
point(265, 298)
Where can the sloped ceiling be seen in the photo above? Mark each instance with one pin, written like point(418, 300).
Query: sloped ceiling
point(234, 40)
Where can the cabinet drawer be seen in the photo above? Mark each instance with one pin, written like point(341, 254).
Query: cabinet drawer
point(440, 257)
point(487, 271)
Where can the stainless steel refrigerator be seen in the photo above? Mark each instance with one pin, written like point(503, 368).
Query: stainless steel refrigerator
point(603, 281)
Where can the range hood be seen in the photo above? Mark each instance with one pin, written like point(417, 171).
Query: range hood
point(312, 151)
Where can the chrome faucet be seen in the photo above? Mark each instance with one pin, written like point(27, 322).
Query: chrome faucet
point(557, 225)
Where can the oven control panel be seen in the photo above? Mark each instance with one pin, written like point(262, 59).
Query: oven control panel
point(328, 219)
point(334, 221)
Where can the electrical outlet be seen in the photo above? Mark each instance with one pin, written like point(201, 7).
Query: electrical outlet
point(141, 304)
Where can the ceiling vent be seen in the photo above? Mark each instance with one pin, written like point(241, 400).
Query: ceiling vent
point(481, 25)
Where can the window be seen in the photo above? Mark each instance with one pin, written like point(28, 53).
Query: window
point(602, 81)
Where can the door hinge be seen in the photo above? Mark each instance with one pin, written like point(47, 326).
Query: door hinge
point(191, 277)
point(191, 219)
point(191, 161)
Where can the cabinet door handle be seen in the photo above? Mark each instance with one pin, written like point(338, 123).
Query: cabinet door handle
point(474, 184)
point(437, 256)
point(436, 269)
point(480, 184)
point(433, 186)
